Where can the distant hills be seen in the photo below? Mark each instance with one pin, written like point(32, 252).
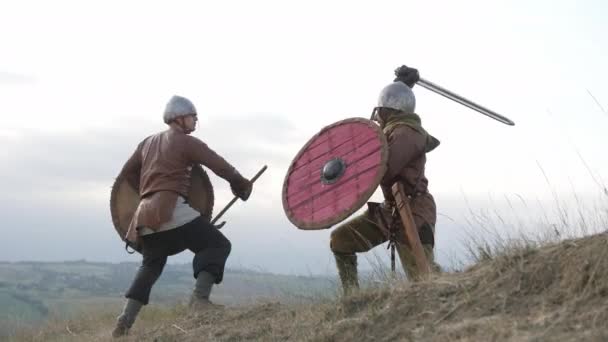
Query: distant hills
point(31, 292)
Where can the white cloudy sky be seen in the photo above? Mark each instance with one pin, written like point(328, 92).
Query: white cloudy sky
point(82, 82)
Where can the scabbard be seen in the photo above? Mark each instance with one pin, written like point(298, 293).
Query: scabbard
point(412, 239)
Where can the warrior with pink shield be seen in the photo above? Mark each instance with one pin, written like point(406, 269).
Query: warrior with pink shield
point(338, 170)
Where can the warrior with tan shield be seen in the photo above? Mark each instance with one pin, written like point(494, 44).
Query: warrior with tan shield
point(164, 222)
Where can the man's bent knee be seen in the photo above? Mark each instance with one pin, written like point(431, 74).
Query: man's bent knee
point(338, 243)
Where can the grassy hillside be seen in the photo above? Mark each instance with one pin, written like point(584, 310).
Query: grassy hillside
point(558, 292)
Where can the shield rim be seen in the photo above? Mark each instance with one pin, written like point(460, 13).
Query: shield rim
point(196, 169)
point(328, 223)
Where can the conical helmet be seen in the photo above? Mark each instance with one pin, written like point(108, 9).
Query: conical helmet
point(398, 96)
point(176, 107)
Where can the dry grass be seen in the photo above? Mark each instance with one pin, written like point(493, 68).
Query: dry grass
point(555, 293)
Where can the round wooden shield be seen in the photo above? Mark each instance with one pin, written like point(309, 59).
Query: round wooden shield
point(124, 199)
point(335, 173)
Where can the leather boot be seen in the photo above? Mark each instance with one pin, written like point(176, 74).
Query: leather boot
point(126, 318)
point(347, 269)
point(199, 300)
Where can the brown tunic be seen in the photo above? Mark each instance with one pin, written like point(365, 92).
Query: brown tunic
point(160, 170)
point(406, 164)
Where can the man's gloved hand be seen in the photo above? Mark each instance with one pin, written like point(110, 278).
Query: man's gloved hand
point(241, 187)
point(407, 75)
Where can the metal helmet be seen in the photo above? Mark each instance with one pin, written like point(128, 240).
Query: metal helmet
point(176, 107)
point(398, 96)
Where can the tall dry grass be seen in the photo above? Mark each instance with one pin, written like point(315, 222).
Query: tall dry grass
point(493, 232)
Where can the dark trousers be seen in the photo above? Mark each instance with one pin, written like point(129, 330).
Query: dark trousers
point(210, 247)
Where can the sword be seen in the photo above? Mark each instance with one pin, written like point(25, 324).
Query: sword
point(463, 101)
point(217, 217)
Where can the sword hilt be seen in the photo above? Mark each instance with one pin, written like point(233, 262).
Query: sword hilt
point(257, 175)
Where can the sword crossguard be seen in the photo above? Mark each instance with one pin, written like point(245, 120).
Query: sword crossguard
point(219, 226)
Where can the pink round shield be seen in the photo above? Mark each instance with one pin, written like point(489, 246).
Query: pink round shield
point(335, 173)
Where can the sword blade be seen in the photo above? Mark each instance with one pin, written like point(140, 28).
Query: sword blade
point(463, 101)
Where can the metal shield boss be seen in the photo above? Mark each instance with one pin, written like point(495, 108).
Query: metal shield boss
point(124, 200)
point(335, 173)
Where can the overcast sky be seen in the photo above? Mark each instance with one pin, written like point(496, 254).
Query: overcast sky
point(81, 83)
